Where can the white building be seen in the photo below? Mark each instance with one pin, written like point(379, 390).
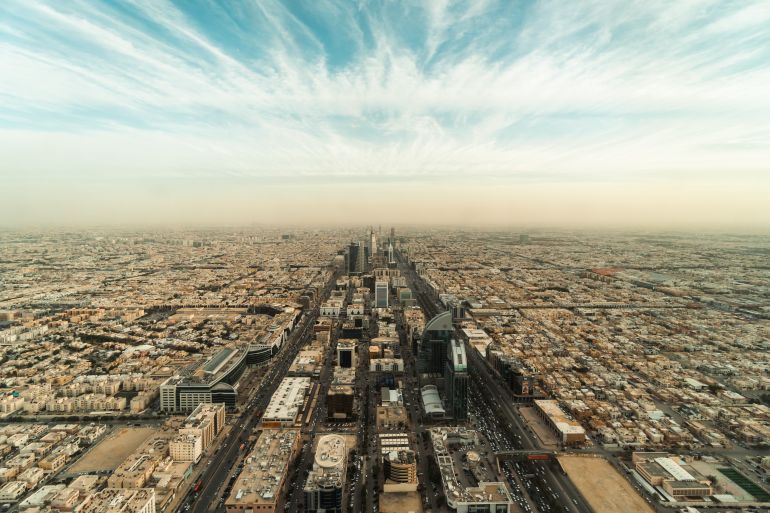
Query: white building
point(381, 294)
point(186, 448)
point(331, 308)
point(122, 500)
point(386, 365)
point(12, 490)
point(286, 404)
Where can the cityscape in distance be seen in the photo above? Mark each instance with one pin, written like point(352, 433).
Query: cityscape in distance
point(498, 256)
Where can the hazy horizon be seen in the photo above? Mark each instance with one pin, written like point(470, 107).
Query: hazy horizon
point(593, 115)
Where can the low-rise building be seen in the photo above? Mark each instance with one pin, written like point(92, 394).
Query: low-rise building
point(286, 404)
point(259, 485)
point(395, 365)
point(569, 431)
point(12, 490)
point(677, 479)
point(463, 494)
point(112, 500)
point(136, 469)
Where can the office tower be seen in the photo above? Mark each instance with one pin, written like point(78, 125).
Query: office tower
point(432, 348)
point(391, 260)
point(324, 485)
point(372, 243)
point(456, 383)
point(346, 353)
point(356, 258)
point(339, 402)
point(381, 294)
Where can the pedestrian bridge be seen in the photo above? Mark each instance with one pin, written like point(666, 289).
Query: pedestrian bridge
point(525, 455)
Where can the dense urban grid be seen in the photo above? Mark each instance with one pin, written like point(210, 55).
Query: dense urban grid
point(383, 370)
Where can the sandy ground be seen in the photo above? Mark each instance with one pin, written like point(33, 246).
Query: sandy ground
point(400, 502)
point(603, 487)
point(544, 433)
point(112, 450)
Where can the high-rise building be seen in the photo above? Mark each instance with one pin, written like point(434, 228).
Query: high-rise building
point(346, 353)
point(433, 344)
point(324, 485)
point(372, 243)
point(381, 294)
point(456, 380)
point(356, 258)
point(339, 402)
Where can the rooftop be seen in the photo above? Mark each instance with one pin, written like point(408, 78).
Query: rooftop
point(119, 500)
point(287, 400)
point(265, 467)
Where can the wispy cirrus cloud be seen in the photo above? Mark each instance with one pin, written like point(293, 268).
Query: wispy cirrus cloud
point(579, 90)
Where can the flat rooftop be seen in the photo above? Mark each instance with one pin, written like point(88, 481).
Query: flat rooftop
point(458, 488)
point(264, 469)
point(551, 408)
point(329, 463)
point(119, 500)
point(288, 399)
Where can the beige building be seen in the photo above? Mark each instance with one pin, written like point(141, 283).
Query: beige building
point(186, 448)
point(111, 500)
point(12, 490)
point(326, 481)
point(676, 478)
point(206, 421)
point(53, 462)
point(66, 500)
point(568, 431)
point(137, 468)
point(390, 417)
point(259, 485)
point(400, 471)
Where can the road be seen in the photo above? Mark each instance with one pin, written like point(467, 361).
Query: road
point(295, 495)
point(569, 498)
point(220, 467)
point(412, 399)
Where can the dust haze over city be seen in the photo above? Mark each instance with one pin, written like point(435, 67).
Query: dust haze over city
point(384, 257)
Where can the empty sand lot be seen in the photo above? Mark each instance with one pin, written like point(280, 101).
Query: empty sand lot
point(603, 487)
point(112, 450)
point(400, 502)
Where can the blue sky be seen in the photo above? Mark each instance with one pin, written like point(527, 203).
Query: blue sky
point(131, 97)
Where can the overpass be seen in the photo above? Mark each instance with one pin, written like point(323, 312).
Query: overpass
point(525, 455)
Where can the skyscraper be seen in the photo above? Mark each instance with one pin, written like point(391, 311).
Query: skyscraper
point(456, 380)
point(433, 344)
point(356, 258)
point(381, 294)
point(372, 242)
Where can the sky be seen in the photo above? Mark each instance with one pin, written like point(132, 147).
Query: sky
point(639, 113)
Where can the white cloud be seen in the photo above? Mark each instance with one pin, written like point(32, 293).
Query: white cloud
point(573, 92)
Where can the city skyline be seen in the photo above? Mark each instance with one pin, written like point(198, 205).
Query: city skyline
point(531, 113)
